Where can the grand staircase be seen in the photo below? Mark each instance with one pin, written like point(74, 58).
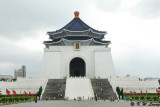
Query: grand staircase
point(55, 89)
point(79, 87)
point(102, 88)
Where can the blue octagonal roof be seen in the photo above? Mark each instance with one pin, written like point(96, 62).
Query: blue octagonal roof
point(76, 25)
point(76, 38)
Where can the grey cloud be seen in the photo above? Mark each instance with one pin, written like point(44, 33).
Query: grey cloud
point(137, 63)
point(18, 17)
point(147, 9)
point(18, 57)
point(108, 5)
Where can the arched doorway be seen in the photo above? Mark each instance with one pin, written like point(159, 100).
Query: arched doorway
point(77, 67)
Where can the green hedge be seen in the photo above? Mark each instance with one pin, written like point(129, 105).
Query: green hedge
point(144, 97)
point(18, 95)
point(145, 94)
point(13, 99)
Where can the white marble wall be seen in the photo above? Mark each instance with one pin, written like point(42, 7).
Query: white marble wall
point(56, 61)
point(23, 84)
point(133, 84)
point(51, 65)
point(103, 64)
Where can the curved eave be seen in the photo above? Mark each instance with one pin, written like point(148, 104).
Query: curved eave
point(55, 33)
point(107, 42)
point(62, 39)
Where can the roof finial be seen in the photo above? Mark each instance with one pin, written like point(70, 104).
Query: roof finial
point(76, 13)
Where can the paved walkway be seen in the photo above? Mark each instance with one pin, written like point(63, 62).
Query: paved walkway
point(74, 104)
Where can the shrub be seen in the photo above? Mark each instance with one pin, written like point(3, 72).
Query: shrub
point(136, 98)
point(22, 99)
point(155, 98)
point(3, 99)
point(142, 98)
point(10, 99)
point(148, 98)
point(16, 99)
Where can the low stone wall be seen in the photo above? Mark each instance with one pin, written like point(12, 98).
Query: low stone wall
point(23, 84)
point(134, 84)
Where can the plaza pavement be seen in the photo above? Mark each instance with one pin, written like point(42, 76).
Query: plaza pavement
point(52, 103)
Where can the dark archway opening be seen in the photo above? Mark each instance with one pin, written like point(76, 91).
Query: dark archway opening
point(77, 67)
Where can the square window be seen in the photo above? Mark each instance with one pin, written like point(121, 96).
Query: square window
point(77, 46)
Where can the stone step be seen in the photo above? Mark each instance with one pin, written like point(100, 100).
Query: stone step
point(100, 85)
point(55, 89)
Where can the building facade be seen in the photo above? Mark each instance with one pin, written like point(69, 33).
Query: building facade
point(6, 77)
point(77, 50)
point(20, 72)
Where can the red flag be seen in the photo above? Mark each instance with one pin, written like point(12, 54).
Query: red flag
point(135, 93)
point(14, 92)
point(25, 93)
point(30, 93)
point(157, 91)
point(146, 92)
point(20, 93)
point(7, 91)
point(141, 93)
point(131, 92)
point(125, 93)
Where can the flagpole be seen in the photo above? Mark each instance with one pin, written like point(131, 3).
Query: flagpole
point(5, 98)
point(12, 95)
point(157, 92)
point(156, 96)
point(12, 98)
point(141, 95)
point(19, 95)
point(146, 95)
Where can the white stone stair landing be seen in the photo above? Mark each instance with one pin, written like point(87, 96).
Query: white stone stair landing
point(78, 87)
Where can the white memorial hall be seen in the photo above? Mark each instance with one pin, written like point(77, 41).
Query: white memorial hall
point(77, 63)
point(77, 50)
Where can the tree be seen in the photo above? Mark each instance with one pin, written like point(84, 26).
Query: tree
point(39, 92)
point(121, 93)
point(118, 91)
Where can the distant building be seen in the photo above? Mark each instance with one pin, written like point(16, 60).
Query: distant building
point(151, 79)
point(6, 77)
point(20, 72)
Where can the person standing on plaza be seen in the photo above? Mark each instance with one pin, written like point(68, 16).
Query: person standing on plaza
point(29, 100)
point(0, 102)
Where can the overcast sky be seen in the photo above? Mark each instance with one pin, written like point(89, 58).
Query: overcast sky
point(133, 26)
